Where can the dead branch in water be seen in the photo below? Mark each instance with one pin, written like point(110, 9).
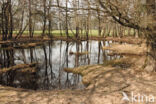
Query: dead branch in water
point(78, 53)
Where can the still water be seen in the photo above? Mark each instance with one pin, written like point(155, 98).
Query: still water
point(52, 58)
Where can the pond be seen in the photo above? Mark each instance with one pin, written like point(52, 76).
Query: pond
point(52, 58)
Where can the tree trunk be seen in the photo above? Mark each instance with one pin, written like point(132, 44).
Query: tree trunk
point(151, 36)
point(10, 19)
point(30, 20)
point(66, 21)
point(44, 18)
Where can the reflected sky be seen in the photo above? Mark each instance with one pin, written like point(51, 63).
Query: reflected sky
point(52, 58)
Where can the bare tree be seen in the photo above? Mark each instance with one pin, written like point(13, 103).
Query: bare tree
point(30, 20)
point(44, 17)
point(66, 21)
point(122, 17)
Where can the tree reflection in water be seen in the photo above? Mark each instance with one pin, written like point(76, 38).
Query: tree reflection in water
point(52, 57)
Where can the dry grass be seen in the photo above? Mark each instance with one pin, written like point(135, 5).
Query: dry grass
point(127, 49)
point(20, 67)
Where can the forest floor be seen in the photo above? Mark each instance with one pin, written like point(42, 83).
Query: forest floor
point(26, 39)
point(105, 84)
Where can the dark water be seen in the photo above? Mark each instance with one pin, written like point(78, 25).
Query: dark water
point(52, 57)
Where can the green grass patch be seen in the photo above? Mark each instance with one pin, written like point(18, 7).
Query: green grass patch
point(73, 32)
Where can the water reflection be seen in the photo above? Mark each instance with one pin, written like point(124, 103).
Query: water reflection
point(52, 57)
